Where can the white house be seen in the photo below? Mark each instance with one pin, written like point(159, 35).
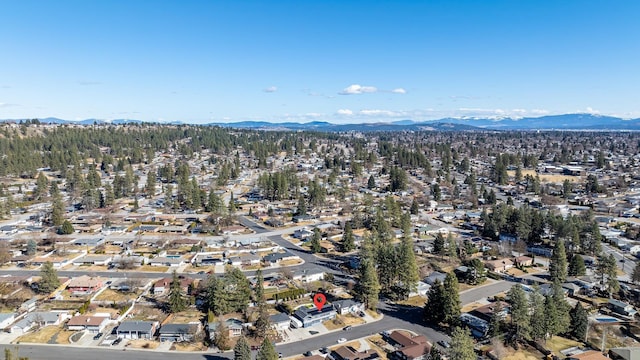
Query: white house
point(7, 319)
point(91, 324)
point(347, 306)
point(280, 321)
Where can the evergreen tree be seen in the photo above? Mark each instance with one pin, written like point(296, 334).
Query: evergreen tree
point(177, 301)
point(579, 322)
point(538, 315)
point(408, 273)
point(42, 185)
point(577, 266)
point(415, 209)
point(267, 351)
point(496, 321)
point(371, 183)
point(519, 312)
point(438, 245)
point(302, 206)
point(452, 249)
point(315, 241)
point(221, 337)
point(49, 280)
point(348, 241)
point(242, 351)
point(558, 309)
point(461, 345)
point(232, 204)
point(635, 276)
point(66, 228)
point(451, 309)
point(32, 247)
point(607, 269)
point(259, 288)
point(150, 186)
point(558, 264)
point(367, 288)
point(434, 307)
point(434, 354)
point(57, 211)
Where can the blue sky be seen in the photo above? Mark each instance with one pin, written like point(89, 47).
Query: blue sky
point(338, 61)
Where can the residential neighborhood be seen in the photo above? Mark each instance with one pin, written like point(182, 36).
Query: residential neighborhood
point(418, 252)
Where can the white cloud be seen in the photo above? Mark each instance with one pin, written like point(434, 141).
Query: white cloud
point(356, 89)
point(591, 110)
point(377, 112)
point(344, 112)
point(4, 105)
point(271, 89)
point(399, 91)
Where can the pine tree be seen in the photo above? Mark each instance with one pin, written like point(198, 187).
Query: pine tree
point(579, 322)
point(452, 249)
point(348, 241)
point(242, 351)
point(371, 183)
point(177, 301)
point(496, 321)
point(607, 269)
point(577, 266)
point(315, 241)
point(519, 312)
point(451, 300)
point(537, 321)
point(32, 247)
point(367, 288)
point(635, 276)
point(409, 275)
point(434, 354)
point(66, 228)
point(57, 211)
point(438, 244)
point(302, 206)
point(415, 209)
point(49, 280)
point(558, 264)
point(267, 351)
point(434, 307)
point(461, 345)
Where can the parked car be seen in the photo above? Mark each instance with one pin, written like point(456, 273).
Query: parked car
point(98, 336)
point(279, 355)
point(342, 340)
point(444, 344)
point(347, 328)
point(308, 353)
point(117, 341)
point(324, 350)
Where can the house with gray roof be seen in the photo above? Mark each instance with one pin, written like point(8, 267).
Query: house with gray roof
point(178, 332)
point(37, 319)
point(6, 319)
point(305, 317)
point(435, 276)
point(280, 321)
point(137, 329)
point(347, 306)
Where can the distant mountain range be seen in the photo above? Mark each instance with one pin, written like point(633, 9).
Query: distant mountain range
point(553, 122)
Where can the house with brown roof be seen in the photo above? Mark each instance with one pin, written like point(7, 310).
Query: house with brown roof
point(349, 353)
point(523, 261)
point(162, 285)
point(84, 284)
point(409, 347)
point(499, 265)
point(588, 355)
point(92, 324)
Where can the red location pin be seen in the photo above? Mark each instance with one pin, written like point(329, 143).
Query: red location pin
point(319, 300)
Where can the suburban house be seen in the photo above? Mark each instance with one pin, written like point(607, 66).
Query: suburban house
point(305, 317)
point(137, 329)
point(56, 261)
point(234, 326)
point(275, 258)
point(84, 284)
point(622, 308)
point(588, 355)
point(161, 286)
point(37, 319)
point(93, 260)
point(485, 312)
point(7, 319)
point(166, 261)
point(178, 332)
point(409, 347)
point(280, 321)
point(435, 276)
point(307, 276)
point(29, 305)
point(523, 261)
point(91, 324)
point(499, 265)
point(349, 353)
point(347, 306)
point(89, 242)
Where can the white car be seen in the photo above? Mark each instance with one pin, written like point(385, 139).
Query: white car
point(342, 340)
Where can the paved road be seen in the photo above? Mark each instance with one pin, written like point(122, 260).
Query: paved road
point(626, 266)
